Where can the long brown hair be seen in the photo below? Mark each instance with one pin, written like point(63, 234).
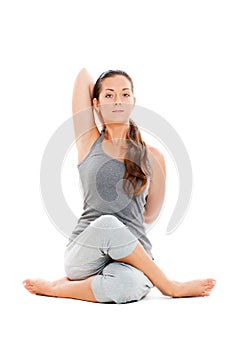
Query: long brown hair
point(136, 170)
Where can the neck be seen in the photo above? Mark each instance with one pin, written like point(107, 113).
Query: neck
point(115, 132)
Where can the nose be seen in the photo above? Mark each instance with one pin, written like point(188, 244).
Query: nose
point(117, 100)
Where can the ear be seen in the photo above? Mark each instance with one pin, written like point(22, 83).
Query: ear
point(134, 100)
point(96, 105)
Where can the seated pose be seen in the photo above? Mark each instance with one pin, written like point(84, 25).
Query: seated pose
point(108, 257)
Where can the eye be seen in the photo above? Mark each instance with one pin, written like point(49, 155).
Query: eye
point(126, 95)
point(109, 95)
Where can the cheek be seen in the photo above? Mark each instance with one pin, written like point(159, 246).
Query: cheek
point(106, 109)
point(105, 104)
point(128, 107)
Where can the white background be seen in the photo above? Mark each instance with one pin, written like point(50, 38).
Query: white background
point(179, 54)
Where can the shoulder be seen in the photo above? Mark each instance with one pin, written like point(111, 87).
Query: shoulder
point(156, 158)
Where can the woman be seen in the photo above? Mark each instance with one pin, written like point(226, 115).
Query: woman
point(108, 257)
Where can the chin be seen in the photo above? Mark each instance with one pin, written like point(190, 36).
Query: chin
point(122, 122)
point(117, 119)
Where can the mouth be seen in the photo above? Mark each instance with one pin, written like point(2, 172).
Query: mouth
point(118, 111)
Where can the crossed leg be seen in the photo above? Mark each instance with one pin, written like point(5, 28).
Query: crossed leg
point(141, 260)
point(137, 257)
point(82, 289)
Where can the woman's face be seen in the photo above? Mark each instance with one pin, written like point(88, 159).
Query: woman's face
point(116, 100)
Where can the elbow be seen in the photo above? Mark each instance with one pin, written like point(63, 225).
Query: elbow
point(149, 219)
point(151, 216)
point(83, 78)
point(83, 71)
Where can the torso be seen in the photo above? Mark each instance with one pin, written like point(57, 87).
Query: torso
point(101, 179)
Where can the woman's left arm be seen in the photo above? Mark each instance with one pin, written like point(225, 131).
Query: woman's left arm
point(156, 193)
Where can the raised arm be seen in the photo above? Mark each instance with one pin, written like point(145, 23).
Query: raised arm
point(85, 127)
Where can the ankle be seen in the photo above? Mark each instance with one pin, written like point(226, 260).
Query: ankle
point(171, 289)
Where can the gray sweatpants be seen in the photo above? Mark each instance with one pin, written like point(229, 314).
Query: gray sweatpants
point(94, 251)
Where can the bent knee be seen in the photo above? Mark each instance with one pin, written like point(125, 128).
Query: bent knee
point(122, 283)
point(107, 221)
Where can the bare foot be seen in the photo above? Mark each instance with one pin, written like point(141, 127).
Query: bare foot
point(63, 288)
point(196, 288)
point(43, 287)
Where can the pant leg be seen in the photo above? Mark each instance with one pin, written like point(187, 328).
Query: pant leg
point(104, 240)
point(120, 283)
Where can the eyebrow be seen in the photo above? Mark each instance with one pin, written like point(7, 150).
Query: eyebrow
point(122, 89)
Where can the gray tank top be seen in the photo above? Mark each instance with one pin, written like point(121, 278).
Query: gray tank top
point(101, 178)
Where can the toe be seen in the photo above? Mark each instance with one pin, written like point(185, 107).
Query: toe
point(31, 289)
point(28, 284)
point(208, 285)
point(211, 282)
